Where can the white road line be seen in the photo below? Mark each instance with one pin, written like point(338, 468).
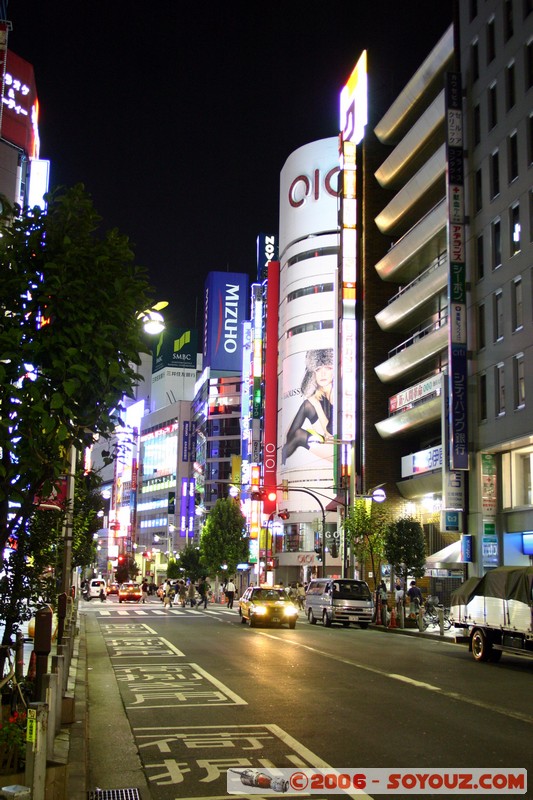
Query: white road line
point(405, 679)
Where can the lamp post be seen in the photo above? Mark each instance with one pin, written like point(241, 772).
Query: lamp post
point(323, 510)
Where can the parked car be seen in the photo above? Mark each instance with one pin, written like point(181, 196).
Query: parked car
point(129, 591)
point(267, 606)
point(94, 588)
point(343, 600)
point(113, 588)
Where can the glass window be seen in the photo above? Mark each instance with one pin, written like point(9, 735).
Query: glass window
point(480, 261)
point(514, 225)
point(530, 139)
point(528, 7)
point(477, 125)
point(519, 381)
point(512, 154)
point(508, 26)
point(531, 215)
point(521, 478)
point(481, 326)
point(510, 89)
point(517, 304)
point(482, 396)
point(498, 315)
point(491, 41)
point(494, 174)
point(474, 60)
point(493, 106)
point(473, 9)
point(529, 65)
point(496, 244)
point(478, 190)
point(499, 383)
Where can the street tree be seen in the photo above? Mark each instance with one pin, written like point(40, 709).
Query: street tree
point(70, 341)
point(190, 563)
point(405, 547)
point(365, 526)
point(223, 544)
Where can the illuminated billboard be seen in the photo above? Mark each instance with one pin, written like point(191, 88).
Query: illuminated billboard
point(20, 106)
point(176, 347)
point(226, 305)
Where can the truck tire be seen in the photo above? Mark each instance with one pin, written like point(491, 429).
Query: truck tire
point(481, 645)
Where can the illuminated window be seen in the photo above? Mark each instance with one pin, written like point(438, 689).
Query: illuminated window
point(515, 230)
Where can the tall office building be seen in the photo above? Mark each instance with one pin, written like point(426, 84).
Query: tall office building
point(460, 224)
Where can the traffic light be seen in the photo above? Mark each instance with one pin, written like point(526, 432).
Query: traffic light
point(334, 550)
point(318, 551)
point(122, 559)
point(284, 514)
point(258, 493)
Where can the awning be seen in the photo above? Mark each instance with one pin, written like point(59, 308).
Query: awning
point(446, 558)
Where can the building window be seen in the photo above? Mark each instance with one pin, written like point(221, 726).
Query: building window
point(477, 125)
point(492, 106)
point(491, 41)
point(498, 315)
point(519, 381)
point(480, 262)
point(481, 327)
point(482, 398)
point(512, 154)
point(496, 242)
point(474, 60)
point(530, 139)
point(510, 89)
point(494, 174)
point(517, 304)
point(473, 9)
point(531, 215)
point(508, 26)
point(478, 190)
point(514, 232)
point(499, 385)
point(529, 65)
point(528, 7)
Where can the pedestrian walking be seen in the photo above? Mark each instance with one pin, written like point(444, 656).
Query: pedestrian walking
point(300, 595)
point(182, 594)
point(415, 599)
point(191, 594)
point(167, 595)
point(383, 597)
point(203, 590)
point(144, 592)
point(229, 591)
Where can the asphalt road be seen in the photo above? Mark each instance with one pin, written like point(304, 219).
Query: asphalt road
point(204, 694)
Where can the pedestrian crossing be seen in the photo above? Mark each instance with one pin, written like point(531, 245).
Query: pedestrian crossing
point(130, 611)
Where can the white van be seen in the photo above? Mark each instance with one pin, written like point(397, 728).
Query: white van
point(95, 587)
point(341, 600)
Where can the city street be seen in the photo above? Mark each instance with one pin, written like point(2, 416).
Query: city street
point(204, 693)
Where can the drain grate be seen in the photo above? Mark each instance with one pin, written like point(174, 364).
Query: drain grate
point(114, 794)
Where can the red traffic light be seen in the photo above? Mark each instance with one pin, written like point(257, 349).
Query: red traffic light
point(258, 493)
point(284, 515)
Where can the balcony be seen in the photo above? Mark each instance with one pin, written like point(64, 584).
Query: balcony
point(418, 247)
point(412, 419)
point(412, 353)
point(426, 186)
point(414, 299)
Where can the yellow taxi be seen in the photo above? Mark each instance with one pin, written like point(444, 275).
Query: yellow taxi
point(129, 591)
point(265, 605)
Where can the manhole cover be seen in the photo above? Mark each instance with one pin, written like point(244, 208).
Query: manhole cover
point(114, 794)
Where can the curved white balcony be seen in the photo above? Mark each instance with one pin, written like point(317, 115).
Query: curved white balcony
point(410, 420)
point(397, 118)
point(420, 485)
point(414, 298)
point(411, 357)
point(425, 179)
point(413, 144)
point(417, 248)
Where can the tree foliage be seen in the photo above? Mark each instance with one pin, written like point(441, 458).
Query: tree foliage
point(190, 564)
point(405, 547)
point(223, 544)
point(365, 526)
point(69, 340)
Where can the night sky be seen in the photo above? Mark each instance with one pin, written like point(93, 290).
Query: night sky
point(178, 116)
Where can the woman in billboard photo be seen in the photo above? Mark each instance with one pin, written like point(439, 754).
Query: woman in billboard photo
point(313, 422)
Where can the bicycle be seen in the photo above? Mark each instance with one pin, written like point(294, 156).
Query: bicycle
point(431, 614)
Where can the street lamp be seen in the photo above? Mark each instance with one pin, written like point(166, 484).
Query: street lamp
point(151, 318)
